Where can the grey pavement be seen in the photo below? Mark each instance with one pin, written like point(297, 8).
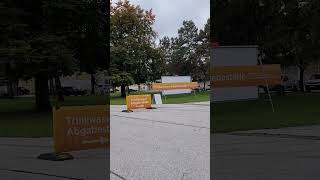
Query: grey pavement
point(272, 154)
point(167, 143)
point(18, 157)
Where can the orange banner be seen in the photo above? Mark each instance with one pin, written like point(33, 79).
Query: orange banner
point(237, 76)
point(138, 101)
point(172, 86)
point(81, 127)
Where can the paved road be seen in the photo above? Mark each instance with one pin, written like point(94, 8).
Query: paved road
point(167, 143)
point(19, 161)
point(279, 154)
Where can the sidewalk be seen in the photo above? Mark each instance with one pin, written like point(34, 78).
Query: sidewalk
point(284, 154)
point(19, 161)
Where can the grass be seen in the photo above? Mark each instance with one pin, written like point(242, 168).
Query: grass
point(18, 117)
point(116, 99)
point(291, 110)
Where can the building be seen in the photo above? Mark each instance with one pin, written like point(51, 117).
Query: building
point(80, 81)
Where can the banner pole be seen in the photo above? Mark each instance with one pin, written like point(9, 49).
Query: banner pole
point(267, 85)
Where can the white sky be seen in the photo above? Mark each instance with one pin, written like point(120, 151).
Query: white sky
point(171, 13)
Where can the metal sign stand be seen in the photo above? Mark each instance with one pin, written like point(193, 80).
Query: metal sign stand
point(165, 97)
point(267, 85)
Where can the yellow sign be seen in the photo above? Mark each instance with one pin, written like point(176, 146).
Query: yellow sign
point(172, 86)
point(237, 76)
point(81, 127)
point(138, 101)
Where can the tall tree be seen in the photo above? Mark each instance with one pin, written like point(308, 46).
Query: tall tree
point(184, 57)
point(201, 70)
point(43, 49)
point(285, 30)
point(132, 41)
point(165, 47)
point(92, 50)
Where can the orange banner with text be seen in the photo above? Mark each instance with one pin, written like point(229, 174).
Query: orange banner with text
point(172, 86)
point(138, 101)
point(81, 127)
point(238, 76)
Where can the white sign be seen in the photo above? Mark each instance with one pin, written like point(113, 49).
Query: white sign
point(173, 79)
point(234, 56)
point(157, 99)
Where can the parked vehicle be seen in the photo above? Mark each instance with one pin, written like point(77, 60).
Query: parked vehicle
point(69, 91)
point(313, 83)
point(132, 90)
point(286, 85)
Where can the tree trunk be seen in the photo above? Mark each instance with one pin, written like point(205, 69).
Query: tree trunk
point(52, 89)
point(12, 88)
point(301, 78)
point(59, 90)
point(41, 92)
point(123, 90)
point(93, 84)
point(204, 85)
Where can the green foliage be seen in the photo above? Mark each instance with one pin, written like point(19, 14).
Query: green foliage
point(52, 38)
point(122, 78)
point(189, 53)
point(285, 30)
point(29, 48)
point(93, 42)
point(134, 55)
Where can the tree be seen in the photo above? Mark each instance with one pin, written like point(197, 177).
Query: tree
point(42, 48)
point(201, 71)
point(132, 42)
point(285, 30)
point(189, 53)
point(165, 46)
point(12, 46)
point(184, 58)
point(92, 50)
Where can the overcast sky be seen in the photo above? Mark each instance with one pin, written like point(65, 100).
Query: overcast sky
point(171, 13)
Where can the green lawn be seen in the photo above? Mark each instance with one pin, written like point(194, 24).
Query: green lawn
point(290, 110)
point(116, 99)
point(19, 119)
